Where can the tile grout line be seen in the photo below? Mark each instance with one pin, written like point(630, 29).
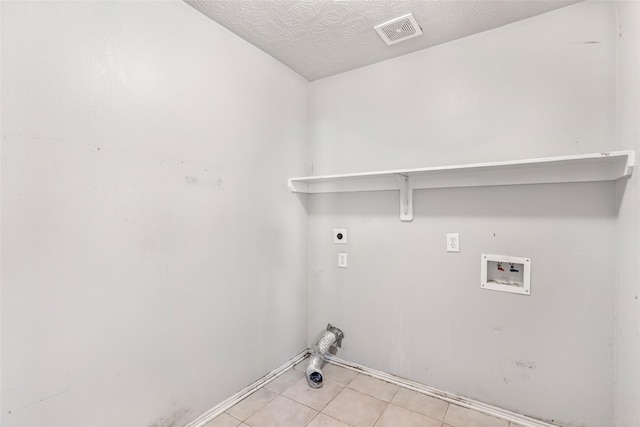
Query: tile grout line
point(241, 421)
point(334, 397)
point(451, 398)
point(331, 400)
point(304, 404)
point(223, 406)
point(381, 414)
point(387, 378)
point(444, 420)
point(385, 408)
point(318, 412)
point(371, 395)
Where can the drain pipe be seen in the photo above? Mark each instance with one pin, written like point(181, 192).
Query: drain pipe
point(329, 338)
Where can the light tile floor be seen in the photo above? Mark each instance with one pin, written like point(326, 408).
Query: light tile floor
point(346, 399)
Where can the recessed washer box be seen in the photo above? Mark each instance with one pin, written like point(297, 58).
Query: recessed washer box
point(505, 273)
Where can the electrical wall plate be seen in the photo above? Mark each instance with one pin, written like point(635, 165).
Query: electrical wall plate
point(342, 259)
point(505, 273)
point(453, 242)
point(340, 236)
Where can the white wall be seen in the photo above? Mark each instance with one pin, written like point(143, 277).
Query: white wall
point(541, 87)
point(627, 322)
point(153, 258)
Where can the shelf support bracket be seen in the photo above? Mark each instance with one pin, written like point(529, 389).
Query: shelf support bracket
point(406, 197)
point(631, 163)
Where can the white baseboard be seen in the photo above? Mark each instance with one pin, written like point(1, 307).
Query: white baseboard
point(228, 403)
point(442, 395)
point(494, 411)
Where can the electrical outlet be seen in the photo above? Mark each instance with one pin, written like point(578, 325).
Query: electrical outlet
point(340, 236)
point(453, 242)
point(342, 259)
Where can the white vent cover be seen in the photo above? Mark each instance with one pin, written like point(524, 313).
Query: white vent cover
point(399, 29)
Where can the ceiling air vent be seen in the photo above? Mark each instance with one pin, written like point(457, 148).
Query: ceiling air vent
point(399, 29)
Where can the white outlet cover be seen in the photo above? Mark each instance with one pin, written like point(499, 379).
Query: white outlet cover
point(453, 242)
point(340, 232)
point(342, 260)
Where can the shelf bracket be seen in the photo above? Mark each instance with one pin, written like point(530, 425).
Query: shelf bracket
point(406, 197)
point(631, 163)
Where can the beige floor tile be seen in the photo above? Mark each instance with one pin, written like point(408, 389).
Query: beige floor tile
point(251, 404)
point(316, 398)
point(395, 416)
point(355, 408)
point(223, 420)
point(338, 374)
point(374, 387)
point(285, 380)
point(282, 412)
point(421, 403)
point(463, 417)
point(322, 420)
point(514, 424)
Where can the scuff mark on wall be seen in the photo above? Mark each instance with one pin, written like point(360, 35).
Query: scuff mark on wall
point(525, 364)
point(521, 373)
point(315, 276)
point(51, 396)
point(175, 419)
point(562, 424)
point(400, 362)
point(520, 377)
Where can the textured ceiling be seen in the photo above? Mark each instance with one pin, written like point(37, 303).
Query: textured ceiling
point(320, 38)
